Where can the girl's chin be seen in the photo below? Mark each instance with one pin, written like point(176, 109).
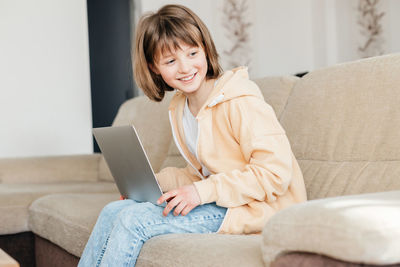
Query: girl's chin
point(187, 91)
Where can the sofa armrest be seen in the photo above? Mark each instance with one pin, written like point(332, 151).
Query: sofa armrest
point(74, 168)
point(359, 228)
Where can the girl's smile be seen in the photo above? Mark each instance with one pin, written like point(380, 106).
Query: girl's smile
point(188, 78)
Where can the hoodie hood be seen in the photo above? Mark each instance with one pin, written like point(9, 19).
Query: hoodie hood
point(232, 84)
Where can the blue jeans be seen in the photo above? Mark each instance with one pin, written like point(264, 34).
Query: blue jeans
point(123, 227)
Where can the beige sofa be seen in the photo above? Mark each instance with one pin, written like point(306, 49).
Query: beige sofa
point(343, 123)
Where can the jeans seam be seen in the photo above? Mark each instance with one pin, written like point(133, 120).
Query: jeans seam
point(103, 250)
point(132, 247)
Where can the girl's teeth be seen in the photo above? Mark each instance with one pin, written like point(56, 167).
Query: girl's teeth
point(188, 78)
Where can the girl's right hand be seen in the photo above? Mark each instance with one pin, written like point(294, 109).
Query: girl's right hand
point(183, 199)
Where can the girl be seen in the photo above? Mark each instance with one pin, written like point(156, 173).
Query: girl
point(241, 169)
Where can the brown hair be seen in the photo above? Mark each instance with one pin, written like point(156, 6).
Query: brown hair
point(162, 31)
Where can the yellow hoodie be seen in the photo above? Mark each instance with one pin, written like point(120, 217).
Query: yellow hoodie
point(253, 170)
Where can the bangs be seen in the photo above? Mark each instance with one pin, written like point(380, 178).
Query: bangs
point(169, 33)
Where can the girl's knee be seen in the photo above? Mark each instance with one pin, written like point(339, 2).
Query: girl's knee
point(113, 208)
point(139, 214)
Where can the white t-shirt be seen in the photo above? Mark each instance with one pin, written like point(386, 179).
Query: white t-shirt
point(190, 128)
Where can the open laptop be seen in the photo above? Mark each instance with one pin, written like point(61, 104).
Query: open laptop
point(128, 163)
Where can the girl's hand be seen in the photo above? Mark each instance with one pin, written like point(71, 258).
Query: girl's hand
point(184, 199)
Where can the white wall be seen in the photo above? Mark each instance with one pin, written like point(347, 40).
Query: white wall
point(281, 35)
point(341, 36)
point(45, 106)
point(291, 36)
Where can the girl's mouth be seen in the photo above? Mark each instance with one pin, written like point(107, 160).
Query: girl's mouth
point(188, 78)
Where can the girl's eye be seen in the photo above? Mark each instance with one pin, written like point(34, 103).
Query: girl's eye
point(193, 53)
point(169, 62)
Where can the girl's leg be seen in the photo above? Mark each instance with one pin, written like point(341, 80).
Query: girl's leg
point(138, 223)
point(98, 238)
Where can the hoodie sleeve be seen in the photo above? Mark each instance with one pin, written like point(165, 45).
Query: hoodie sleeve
point(265, 147)
point(171, 178)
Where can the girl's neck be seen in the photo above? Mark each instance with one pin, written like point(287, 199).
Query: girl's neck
point(197, 99)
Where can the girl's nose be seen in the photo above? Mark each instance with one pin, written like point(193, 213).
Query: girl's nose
point(184, 66)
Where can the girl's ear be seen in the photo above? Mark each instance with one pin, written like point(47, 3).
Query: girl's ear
point(153, 68)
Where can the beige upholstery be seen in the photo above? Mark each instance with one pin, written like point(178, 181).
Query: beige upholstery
point(71, 218)
point(276, 91)
point(359, 228)
point(343, 123)
point(201, 250)
point(49, 169)
point(15, 200)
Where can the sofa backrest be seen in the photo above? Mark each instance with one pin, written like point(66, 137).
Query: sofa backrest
point(343, 123)
point(152, 123)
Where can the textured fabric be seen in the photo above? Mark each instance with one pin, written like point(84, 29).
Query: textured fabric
point(49, 169)
point(67, 219)
point(301, 259)
point(16, 198)
point(360, 228)
point(336, 178)
point(124, 226)
point(276, 91)
point(347, 116)
point(242, 144)
point(201, 250)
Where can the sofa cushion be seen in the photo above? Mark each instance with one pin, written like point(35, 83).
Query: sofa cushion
point(199, 250)
point(16, 198)
point(360, 228)
point(49, 169)
point(67, 220)
point(343, 124)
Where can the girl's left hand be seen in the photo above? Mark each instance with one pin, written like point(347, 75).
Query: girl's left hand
point(184, 199)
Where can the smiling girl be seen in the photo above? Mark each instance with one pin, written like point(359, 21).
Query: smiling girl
point(241, 169)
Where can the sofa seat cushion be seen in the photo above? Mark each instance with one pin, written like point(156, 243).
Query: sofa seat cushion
point(15, 200)
point(68, 219)
point(358, 228)
point(199, 250)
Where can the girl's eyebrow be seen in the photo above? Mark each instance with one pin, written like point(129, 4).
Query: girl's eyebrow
point(168, 54)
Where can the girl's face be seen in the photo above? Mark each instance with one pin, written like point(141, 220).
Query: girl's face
point(184, 69)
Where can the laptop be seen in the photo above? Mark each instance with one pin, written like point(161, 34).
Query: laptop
point(128, 163)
